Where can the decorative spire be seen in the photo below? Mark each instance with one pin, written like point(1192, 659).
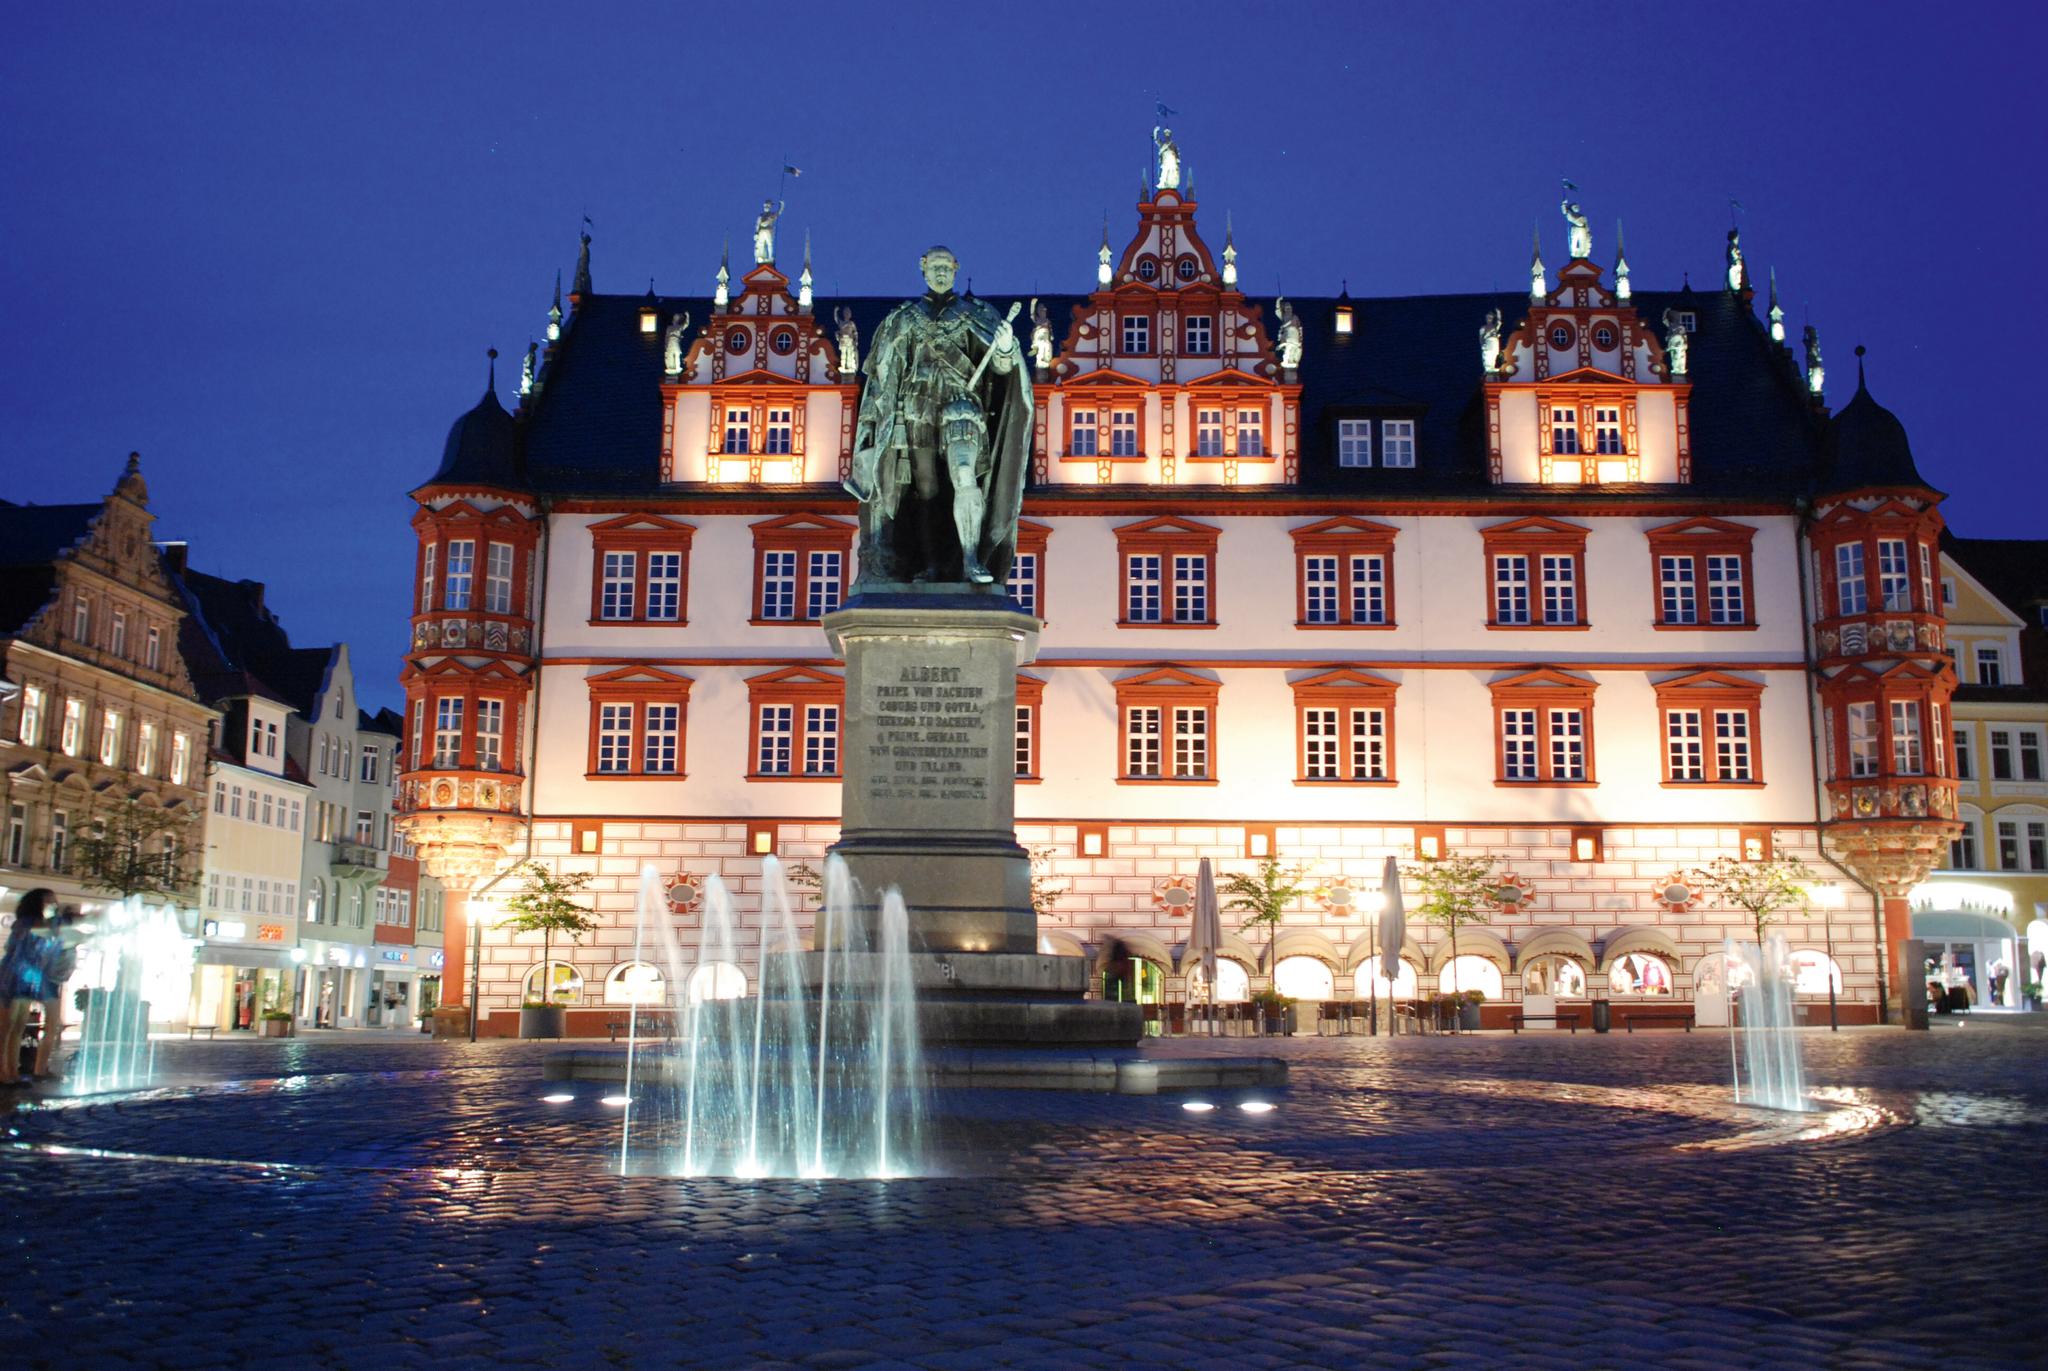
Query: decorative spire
point(526, 368)
point(491, 374)
point(1537, 289)
point(555, 312)
point(723, 294)
point(1229, 251)
point(1816, 374)
point(1622, 290)
point(580, 287)
point(1777, 315)
point(1102, 267)
point(803, 282)
point(1859, 367)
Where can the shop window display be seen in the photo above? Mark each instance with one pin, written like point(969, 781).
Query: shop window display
point(1470, 973)
point(635, 983)
point(1371, 981)
point(564, 984)
point(1556, 976)
point(1233, 984)
point(1811, 972)
point(1304, 978)
point(1639, 973)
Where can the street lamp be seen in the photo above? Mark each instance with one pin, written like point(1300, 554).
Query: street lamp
point(1828, 895)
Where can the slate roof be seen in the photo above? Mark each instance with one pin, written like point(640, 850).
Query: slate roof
point(595, 427)
point(2013, 569)
point(1867, 444)
point(32, 537)
point(238, 647)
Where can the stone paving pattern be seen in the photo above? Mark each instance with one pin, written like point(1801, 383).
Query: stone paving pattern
point(1543, 1201)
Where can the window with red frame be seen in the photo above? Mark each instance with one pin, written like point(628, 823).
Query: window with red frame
point(637, 717)
point(1168, 573)
point(640, 570)
point(1710, 722)
point(1702, 569)
point(1535, 574)
point(1344, 729)
point(1344, 574)
point(802, 564)
point(1166, 732)
point(1543, 729)
point(796, 713)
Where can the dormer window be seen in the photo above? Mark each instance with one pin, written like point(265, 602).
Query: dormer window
point(1137, 332)
point(1199, 331)
point(1209, 433)
point(648, 322)
point(1341, 321)
point(1397, 443)
point(1603, 337)
point(1251, 433)
point(1354, 442)
point(1148, 270)
point(1607, 430)
point(738, 430)
point(1081, 429)
point(1688, 321)
point(783, 341)
point(1562, 336)
point(1564, 430)
point(1185, 268)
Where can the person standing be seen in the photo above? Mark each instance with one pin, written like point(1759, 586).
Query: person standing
point(24, 968)
point(64, 936)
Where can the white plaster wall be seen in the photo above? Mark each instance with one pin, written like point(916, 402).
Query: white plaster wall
point(1518, 437)
point(1657, 434)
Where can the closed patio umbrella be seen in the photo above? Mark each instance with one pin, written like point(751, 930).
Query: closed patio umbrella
point(1393, 924)
point(1207, 930)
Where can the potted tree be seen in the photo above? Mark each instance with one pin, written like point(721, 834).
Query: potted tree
point(1262, 896)
point(1761, 889)
point(276, 1023)
point(1455, 892)
point(543, 906)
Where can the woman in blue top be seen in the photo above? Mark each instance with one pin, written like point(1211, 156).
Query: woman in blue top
point(24, 975)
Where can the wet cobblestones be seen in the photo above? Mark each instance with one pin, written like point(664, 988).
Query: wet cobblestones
point(1576, 1201)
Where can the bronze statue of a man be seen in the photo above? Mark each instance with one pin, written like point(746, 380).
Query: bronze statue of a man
point(944, 441)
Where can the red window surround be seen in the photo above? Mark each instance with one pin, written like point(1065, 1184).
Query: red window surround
point(799, 688)
point(1231, 392)
point(1697, 540)
point(1032, 538)
point(640, 535)
point(1167, 690)
point(1166, 538)
point(1344, 538)
point(1031, 696)
point(636, 688)
point(1358, 742)
point(1585, 401)
point(449, 679)
point(1917, 627)
point(1927, 693)
point(1535, 538)
point(801, 534)
point(1707, 693)
point(1546, 692)
point(461, 521)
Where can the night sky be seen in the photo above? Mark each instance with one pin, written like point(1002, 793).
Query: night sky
point(267, 245)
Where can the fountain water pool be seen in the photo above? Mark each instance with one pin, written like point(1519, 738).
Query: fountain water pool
point(131, 958)
point(818, 1074)
point(1764, 1051)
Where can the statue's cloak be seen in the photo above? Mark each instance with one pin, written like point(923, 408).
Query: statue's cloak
point(1004, 398)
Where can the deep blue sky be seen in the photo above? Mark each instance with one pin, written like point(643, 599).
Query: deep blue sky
point(267, 244)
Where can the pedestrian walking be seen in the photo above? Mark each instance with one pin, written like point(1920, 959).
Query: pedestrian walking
point(24, 968)
point(65, 935)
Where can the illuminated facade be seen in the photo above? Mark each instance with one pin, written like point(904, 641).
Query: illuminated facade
point(1529, 574)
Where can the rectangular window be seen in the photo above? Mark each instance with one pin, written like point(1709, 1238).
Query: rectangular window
point(269, 809)
point(1354, 442)
point(153, 649)
point(1607, 430)
point(778, 584)
point(117, 639)
point(1560, 589)
point(1894, 583)
point(145, 747)
point(30, 726)
point(17, 834)
point(1906, 750)
point(1251, 433)
point(1965, 768)
point(2037, 846)
point(1990, 666)
point(1948, 592)
point(1680, 593)
point(220, 797)
point(821, 594)
point(1320, 577)
point(1852, 596)
point(297, 813)
point(1141, 740)
point(664, 586)
point(1368, 744)
point(1962, 849)
point(419, 730)
point(614, 738)
point(777, 735)
point(2008, 845)
point(1368, 588)
point(110, 738)
point(234, 802)
point(1319, 745)
point(498, 579)
point(1510, 588)
point(1863, 739)
point(448, 731)
point(1191, 742)
point(72, 735)
point(1518, 744)
point(1027, 720)
point(366, 827)
point(780, 438)
point(1567, 745)
point(621, 572)
point(1397, 443)
point(181, 757)
point(1683, 745)
point(1123, 433)
point(2030, 755)
point(427, 577)
point(1926, 579)
point(461, 571)
point(1208, 433)
point(1731, 745)
point(821, 740)
point(1022, 583)
point(1191, 589)
point(490, 734)
point(60, 839)
point(739, 437)
point(1199, 332)
point(1141, 589)
point(1564, 431)
point(1081, 433)
point(1137, 335)
point(1724, 590)
point(81, 619)
point(664, 731)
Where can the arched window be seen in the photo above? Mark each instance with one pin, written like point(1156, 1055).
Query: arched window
point(1370, 981)
point(635, 983)
point(1233, 984)
point(716, 981)
point(1470, 973)
point(1554, 975)
point(1812, 970)
point(1639, 973)
point(563, 982)
point(1303, 978)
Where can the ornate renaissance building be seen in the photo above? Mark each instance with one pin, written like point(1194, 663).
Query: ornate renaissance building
point(1584, 577)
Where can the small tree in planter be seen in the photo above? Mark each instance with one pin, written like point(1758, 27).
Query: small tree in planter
point(543, 906)
point(1262, 896)
point(1455, 892)
point(1762, 889)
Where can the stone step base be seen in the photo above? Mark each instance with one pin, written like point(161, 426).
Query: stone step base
point(1126, 1072)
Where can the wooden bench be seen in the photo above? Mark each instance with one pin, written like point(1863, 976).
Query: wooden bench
point(649, 1026)
point(1517, 1020)
point(1680, 1016)
point(193, 1030)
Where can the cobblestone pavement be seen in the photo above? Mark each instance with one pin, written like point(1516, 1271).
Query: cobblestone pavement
point(1548, 1200)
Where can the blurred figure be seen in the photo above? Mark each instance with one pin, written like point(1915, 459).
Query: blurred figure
point(66, 933)
point(24, 970)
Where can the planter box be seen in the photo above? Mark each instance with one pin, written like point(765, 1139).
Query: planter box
point(1468, 1017)
point(543, 1022)
point(274, 1028)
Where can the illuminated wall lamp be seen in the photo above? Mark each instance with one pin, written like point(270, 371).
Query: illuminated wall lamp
point(1585, 844)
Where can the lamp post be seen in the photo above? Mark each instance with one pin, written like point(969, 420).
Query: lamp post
point(1827, 896)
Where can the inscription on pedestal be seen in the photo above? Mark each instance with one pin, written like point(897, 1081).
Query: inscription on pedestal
point(931, 737)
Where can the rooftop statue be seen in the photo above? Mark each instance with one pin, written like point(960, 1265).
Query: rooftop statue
point(1169, 159)
point(1581, 232)
point(1737, 272)
point(1676, 342)
point(1289, 340)
point(1816, 374)
point(1489, 342)
point(1041, 335)
point(849, 341)
point(764, 231)
point(672, 344)
point(944, 438)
